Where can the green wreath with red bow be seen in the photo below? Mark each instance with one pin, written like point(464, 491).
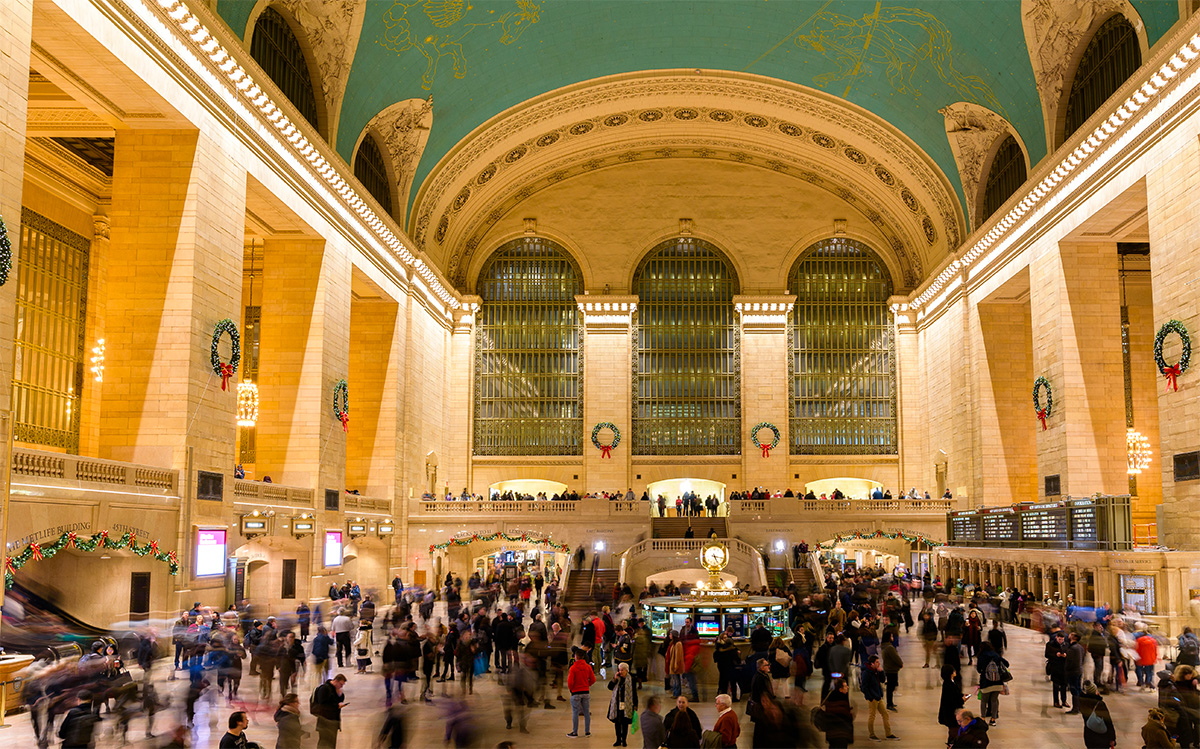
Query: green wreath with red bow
point(226, 369)
point(1172, 371)
point(341, 403)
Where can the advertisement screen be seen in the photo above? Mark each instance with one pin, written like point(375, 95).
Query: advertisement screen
point(210, 552)
point(333, 548)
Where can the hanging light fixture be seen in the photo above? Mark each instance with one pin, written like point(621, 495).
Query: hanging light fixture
point(1138, 447)
point(247, 415)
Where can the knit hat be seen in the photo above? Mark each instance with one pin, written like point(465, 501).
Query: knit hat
point(1089, 688)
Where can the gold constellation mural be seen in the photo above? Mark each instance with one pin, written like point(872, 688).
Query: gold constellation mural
point(436, 29)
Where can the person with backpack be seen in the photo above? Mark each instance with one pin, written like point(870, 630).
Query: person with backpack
point(1097, 647)
point(326, 704)
point(1098, 729)
point(1189, 648)
point(993, 673)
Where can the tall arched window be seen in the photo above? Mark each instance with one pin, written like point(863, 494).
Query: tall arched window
point(843, 389)
point(1110, 58)
point(686, 374)
point(528, 388)
point(372, 172)
point(275, 48)
point(1005, 176)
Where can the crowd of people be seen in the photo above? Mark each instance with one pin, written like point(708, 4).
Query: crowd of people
point(845, 636)
point(686, 503)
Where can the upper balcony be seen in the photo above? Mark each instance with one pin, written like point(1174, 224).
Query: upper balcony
point(46, 474)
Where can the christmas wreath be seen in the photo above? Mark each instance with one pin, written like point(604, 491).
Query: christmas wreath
point(5, 253)
point(605, 450)
point(341, 402)
point(1043, 413)
point(226, 370)
point(1171, 371)
point(766, 449)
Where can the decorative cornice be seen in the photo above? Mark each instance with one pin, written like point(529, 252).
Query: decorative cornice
point(217, 66)
point(1148, 97)
point(764, 313)
point(614, 312)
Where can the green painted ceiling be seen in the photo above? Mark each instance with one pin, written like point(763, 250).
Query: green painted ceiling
point(902, 62)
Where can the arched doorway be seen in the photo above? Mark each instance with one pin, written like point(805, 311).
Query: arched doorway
point(671, 489)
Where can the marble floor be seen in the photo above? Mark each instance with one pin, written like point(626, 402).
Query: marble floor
point(1026, 717)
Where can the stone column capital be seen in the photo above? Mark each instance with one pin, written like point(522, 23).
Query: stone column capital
point(607, 312)
point(764, 314)
point(101, 226)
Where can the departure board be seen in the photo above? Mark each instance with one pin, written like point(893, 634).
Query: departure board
point(1097, 522)
point(1000, 526)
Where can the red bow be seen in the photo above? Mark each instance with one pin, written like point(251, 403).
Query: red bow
point(766, 450)
point(344, 417)
point(71, 538)
point(153, 547)
point(9, 567)
point(172, 556)
point(1041, 414)
point(37, 551)
point(226, 373)
point(104, 537)
point(1171, 373)
point(606, 451)
point(132, 540)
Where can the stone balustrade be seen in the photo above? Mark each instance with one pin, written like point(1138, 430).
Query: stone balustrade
point(359, 503)
point(792, 506)
point(246, 491)
point(36, 466)
point(787, 507)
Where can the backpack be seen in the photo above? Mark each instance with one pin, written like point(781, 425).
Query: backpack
point(992, 671)
point(313, 705)
point(1188, 645)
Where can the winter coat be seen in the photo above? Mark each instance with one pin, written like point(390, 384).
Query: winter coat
point(973, 734)
point(952, 696)
point(624, 692)
point(1089, 704)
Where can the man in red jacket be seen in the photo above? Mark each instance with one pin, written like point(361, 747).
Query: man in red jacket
point(580, 679)
point(727, 722)
point(691, 651)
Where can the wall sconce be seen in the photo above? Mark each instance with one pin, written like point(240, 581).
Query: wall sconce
point(98, 361)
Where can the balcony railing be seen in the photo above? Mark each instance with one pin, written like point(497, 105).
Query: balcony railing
point(35, 464)
point(272, 494)
point(779, 507)
point(359, 503)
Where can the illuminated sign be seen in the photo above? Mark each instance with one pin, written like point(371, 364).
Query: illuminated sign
point(333, 548)
point(386, 528)
point(254, 525)
point(357, 528)
point(302, 527)
point(210, 552)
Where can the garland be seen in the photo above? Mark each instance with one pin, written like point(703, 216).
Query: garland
point(341, 411)
point(37, 552)
point(235, 352)
point(5, 253)
point(1043, 413)
point(766, 449)
point(1171, 371)
point(859, 535)
point(525, 537)
point(606, 450)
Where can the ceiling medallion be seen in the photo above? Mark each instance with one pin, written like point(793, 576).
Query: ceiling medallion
point(548, 139)
point(515, 154)
point(720, 115)
point(790, 130)
point(855, 155)
point(686, 114)
point(823, 140)
point(614, 120)
point(650, 115)
point(754, 120)
point(885, 176)
point(581, 128)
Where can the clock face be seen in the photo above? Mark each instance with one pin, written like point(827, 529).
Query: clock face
point(714, 556)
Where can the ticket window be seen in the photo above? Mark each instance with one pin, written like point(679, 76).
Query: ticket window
point(660, 621)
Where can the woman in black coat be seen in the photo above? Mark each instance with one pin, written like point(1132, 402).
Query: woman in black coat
point(952, 696)
point(1092, 704)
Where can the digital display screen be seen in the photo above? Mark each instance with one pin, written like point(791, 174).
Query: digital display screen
point(255, 525)
point(358, 528)
point(736, 622)
point(333, 548)
point(210, 552)
point(303, 526)
point(386, 528)
point(708, 625)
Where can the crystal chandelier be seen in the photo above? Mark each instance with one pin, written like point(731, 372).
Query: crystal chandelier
point(247, 414)
point(1138, 448)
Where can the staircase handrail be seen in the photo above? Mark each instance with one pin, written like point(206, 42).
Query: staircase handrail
point(689, 544)
point(562, 578)
point(814, 564)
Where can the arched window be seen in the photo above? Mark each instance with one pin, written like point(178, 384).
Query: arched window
point(528, 388)
point(1110, 58)
point(372, 172)
point(1005, 176)
point(275, 48)
point(842, 369)
point(686, 374)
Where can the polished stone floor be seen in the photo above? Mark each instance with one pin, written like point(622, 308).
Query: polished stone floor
point(1026, 718)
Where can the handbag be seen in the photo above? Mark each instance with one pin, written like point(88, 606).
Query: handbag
point(819, 718)
point(1095, 723)
point(782, 658)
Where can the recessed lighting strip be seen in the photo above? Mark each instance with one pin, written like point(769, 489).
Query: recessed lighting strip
point(302, 151)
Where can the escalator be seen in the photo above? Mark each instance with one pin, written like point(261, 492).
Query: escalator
point(34, 625)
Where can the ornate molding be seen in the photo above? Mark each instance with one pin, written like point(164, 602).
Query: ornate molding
point(973, 132)
point(332, 28)
point(750, 110)
point(859, 191)
point(403, 129)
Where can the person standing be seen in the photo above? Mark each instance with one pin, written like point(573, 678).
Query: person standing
point(654, 734)
point(343, 625)
point(287, 718)
point(839, 716)
point(1098, 729)
point(1147, 650)
point(327, 703)
point(622, 705)
point(303, 618)
point(992, 672)
point(320, 654)
point(1056, 668)
point(1074, 668)
point(683, 725)
point(952, 696)
point(872, 691)
point(235, 737)
point(892, 663)
point(580, 679)
point(727, 722)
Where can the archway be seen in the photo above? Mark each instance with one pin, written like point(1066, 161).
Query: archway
point(677, 487)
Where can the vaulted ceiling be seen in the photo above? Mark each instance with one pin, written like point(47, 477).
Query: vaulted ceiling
point(901, 63)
